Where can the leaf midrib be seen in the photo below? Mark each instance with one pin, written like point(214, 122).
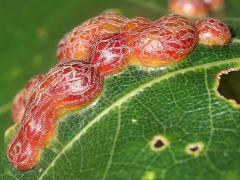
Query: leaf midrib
point(131, 94)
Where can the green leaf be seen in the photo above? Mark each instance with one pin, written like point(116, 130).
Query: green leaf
point(113, 138)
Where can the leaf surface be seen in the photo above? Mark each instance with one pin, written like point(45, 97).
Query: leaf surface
point(111, 139)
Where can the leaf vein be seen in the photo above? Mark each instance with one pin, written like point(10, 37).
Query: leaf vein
point(114, 145)
point(131, 94)
point(209, 110)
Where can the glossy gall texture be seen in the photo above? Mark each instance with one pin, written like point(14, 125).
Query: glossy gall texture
point(110, 54)
point(213, 32)
point(20, 100)
point(189, 8)
point(78, 44)
point(133, 27)
point(214, 5)
point(65, 87)
point(135, 24)
point(166, 41)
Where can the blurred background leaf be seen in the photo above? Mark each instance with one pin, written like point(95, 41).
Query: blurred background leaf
point(30, 31)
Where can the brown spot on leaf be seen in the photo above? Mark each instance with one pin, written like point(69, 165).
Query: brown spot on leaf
point(194, 148)
point(159, 143)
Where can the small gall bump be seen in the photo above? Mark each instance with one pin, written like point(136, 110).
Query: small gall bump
point(194, 148)
point(21, 99)
point(159, 143)
point(213, 32)
point(189, 8)
point(166, 41)
point(110, 54)
point(79, 43)
point(214, 5)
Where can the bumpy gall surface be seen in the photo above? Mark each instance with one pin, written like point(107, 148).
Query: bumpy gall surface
point(20, 100)
point(78, 44)
point(135, 24)
point(213, 32)
point(110, 54)
point(133, 27)
point(215, 5)
point(65, 87)
point(164, 42)
point(189, 8)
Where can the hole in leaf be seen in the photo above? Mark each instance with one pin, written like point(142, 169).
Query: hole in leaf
point(194, 148)
point(159, 143)
point(229, 84)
